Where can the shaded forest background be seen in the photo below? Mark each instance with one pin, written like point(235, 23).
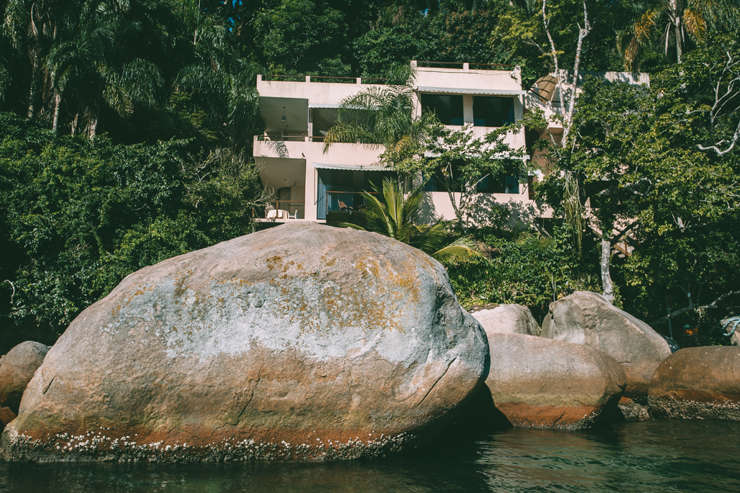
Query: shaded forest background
point(127, 127)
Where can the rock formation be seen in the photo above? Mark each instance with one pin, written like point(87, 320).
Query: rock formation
point(299, 342)
point(698, 383)
point(587, 318)
point(541, 383)
point(16, 370)
point(508, 319)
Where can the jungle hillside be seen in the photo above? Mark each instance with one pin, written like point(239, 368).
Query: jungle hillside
point(126, 130)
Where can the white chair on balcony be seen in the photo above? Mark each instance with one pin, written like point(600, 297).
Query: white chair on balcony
point(294, 216)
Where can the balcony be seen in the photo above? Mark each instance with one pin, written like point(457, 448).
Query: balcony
point(285, 210)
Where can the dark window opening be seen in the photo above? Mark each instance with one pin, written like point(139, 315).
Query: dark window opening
point(449, 109)
point(341, 190)
point(436, 182)
point(507, 182)
point(491, 111)
point(323, 119)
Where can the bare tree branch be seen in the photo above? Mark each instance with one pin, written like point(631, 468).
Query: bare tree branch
point(710, 306)
point(721, 100)
point(716, 148)
point(553, 52)
point(582, 33)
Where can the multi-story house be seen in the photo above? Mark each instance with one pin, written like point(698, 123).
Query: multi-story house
point(311, 184)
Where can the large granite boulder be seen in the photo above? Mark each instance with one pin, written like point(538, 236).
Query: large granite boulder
point(587, 318)
point(299, 342)
point(16, 370)
point(508, 319)
point(697, 383)
point(542, 383)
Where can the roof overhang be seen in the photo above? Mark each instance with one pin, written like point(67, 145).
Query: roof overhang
point(477, 92)
point(349, 167)
point(324, 105)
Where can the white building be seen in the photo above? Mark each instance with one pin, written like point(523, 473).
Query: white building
point(311, 184)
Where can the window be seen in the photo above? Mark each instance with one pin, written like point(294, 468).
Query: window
point(436, 182)
point(492, 111)
point(346, 185)
point(449, 109)
point(504, 183)
point(323, 119)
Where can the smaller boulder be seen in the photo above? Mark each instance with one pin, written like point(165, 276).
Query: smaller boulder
point(16, 370)
point(697, 383)
point(508, 319)
point(587, 318)
point(541, 383)
point(6, 416)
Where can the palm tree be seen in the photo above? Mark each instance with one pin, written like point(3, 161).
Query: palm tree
point(34, 27)
point(223, 82)
point(679, 19)
point(378, 116)
point(92, 71)
point(391, 213)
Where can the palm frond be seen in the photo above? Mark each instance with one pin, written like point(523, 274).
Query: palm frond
point(645, 25)
point(460, 250)
point(695, 24)
point(350, 225)
point(630, 54)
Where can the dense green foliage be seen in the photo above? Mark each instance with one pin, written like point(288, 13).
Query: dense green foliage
point(390, 212)
point(524, 268)
point(659, 162)
point(127, 135)
point(80, 215)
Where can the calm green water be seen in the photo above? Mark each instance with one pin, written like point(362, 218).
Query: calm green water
point(636, 457)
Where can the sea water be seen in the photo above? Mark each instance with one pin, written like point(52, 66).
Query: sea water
point(658, 456)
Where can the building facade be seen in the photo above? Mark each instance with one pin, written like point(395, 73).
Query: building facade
point(311, 184)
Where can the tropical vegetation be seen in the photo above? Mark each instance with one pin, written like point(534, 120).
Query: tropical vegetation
point(393, 213)
point(127, 128)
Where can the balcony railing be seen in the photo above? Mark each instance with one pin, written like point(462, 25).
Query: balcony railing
point(382, 81)
point(331, 79)
point(285, 78)
point(461, 65)
point(336, 80)
point(295, 208)
point(282, 138)
point(290, 138)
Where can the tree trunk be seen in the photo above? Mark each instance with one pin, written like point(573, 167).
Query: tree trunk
point(606, 278)
point(582, 33)
point(553, 52)
point(457, 210)
point(57, 104)
point(93, 126)
point(678, 38)
point(32, 90)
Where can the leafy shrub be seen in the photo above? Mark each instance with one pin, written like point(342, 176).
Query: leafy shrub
point(530, 270)
point(77, 216)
